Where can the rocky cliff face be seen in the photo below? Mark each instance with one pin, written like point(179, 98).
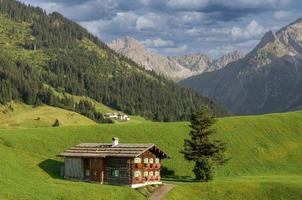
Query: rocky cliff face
point(132, 49)
point(201, 63)
point(196, 62)
point(268, 79)
point(177, 68)
point(225, 60)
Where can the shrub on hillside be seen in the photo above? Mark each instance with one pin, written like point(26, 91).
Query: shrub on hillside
point(56, 124)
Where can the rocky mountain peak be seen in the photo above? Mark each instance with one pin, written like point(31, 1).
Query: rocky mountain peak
point(267, 80)
point(177, 67)
point(134, 50)
point(125, 43)
point(269, 36)
point(196, 62)
point(225, 60)
point(286, 42)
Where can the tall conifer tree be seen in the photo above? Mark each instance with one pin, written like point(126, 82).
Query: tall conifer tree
point(200, 148)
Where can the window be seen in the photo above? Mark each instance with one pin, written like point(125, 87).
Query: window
point(146, 160)
point(137, 174)
point(151, 173)
point(115, 172)
point(145, 174)
point(156, 173)
point(151, 160)
point(137, 160)
point(156, 160)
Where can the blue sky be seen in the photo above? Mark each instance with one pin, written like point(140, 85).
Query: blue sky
point(177, 27)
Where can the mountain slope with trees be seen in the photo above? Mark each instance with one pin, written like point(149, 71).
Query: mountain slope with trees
point(40, 49)
point(266, 80)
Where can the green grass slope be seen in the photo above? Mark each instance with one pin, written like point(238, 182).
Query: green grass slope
point(16, 115)
point(265, 160)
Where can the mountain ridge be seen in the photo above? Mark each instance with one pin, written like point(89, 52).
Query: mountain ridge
point(266, 80)
point(175, 67)
point(134, 50)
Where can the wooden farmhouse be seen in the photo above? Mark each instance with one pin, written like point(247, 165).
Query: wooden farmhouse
point(135, 165)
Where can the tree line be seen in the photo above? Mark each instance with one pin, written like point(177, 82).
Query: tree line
point(110, 79)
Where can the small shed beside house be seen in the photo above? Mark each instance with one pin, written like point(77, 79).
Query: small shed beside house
point(135, 165)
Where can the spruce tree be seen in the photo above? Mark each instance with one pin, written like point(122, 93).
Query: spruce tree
point(201, 148)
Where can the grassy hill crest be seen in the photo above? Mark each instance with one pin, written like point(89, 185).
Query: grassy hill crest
point(16, 115)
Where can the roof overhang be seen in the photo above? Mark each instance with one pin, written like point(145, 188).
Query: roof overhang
point(102, 150)
point(157, 151)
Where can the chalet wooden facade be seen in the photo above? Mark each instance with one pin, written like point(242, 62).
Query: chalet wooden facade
point(135, 165)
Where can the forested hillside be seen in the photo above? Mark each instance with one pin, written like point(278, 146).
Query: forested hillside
point(40, 50)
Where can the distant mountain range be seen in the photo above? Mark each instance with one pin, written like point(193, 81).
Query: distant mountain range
point(201, 63)
point(268, 79)
point(173, 67)
point(134, 50)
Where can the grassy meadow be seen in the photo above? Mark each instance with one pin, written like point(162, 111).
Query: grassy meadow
point(265, 159)
point(24, 116)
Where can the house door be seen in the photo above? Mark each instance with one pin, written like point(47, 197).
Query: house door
point(97, 170)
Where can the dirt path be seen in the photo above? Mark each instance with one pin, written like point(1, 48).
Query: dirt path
point(160, 193)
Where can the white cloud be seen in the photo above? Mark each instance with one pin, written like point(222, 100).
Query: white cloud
point(199, 4)
point(222, 50)
point(187, 4)
point(284, 2)
point(123, 23)
point(190, 17)
point(144, 23)
point(244, 46)
point(252, 30)
point(281, 14)
point(156, 43)
point(95, 27)
point(48, 6)
point(193, 31)
point(176, 50)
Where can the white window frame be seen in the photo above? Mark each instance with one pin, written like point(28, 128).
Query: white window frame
point(151, 160)
point(151, 173)
point(157, 173)
point(146, 160)
point(137, 173)
point(137, 160)
point(146, 174)
point(157, 160)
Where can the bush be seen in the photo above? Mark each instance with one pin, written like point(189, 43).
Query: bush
point(56, 124)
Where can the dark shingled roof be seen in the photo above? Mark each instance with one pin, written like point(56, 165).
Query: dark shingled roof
point(107, 150)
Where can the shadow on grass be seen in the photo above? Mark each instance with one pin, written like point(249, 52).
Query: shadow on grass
point(169, 175)
point(52, 167)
